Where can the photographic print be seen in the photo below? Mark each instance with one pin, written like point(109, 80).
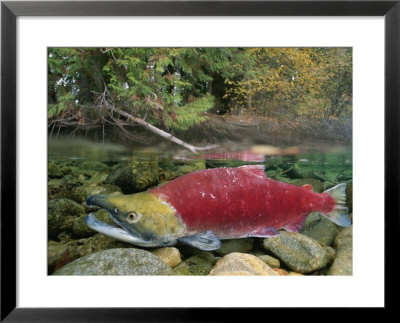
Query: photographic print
point(200, 161)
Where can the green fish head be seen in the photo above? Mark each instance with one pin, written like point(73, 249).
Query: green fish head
point(142, 215)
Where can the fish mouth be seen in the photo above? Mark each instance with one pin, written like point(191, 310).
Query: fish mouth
point(115, 232)
point(103, 202)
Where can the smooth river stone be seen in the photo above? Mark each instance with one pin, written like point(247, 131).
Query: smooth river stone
point(242, 264)
point(299, 252)
point(170, 255)
point(343, 263)
point(120, 261)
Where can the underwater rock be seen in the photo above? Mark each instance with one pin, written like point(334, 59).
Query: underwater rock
point(97, 179)
point(55, 170)
point(298, 252)
point(270, 261)
point(170, 255)
point(105, 189)
point(343, 263)
point(94, 165)
point(242, 264)
point(79, 174)
point(72, 191)
point(320, 229)
point(315, 183)
point(199, 264)
point(293, 273)
point(62, 213)
point(283, 272)
point(81, 230)
point(345, 175)
point(331, 176)
point(134, 177)
point(243, 245)
point(58, 255)
point(119, 261)
point(328, 185)
point(96, 243)
point(190, 167)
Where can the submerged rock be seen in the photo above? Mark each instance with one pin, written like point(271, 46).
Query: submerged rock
point(343, 263)
point(94, 165)
point(190, 167)
point(55, 170)
point(96, 243)
point(134, 177)
point(62, 213)
point(283, 272)
point(299, 252)
point(243, 245)
point(270, 261)
point(170, 255)
point(242, 264)
point(199, 264)
point(58, 255)
point(105, 189)
point(81, 230)
point(320, 229)
point(128, 261)
point(72, 191)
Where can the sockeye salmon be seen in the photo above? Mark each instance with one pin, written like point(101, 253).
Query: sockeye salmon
point(200, 208)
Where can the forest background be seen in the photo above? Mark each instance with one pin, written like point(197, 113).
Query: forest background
point(293, 92)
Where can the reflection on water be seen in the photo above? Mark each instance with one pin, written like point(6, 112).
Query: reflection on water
point(329, 165)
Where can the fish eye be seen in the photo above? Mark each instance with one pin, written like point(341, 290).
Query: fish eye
point(132, 217)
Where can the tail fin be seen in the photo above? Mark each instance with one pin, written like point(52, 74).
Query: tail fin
point(340, 214)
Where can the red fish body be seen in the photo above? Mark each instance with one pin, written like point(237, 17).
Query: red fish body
point(240, 202)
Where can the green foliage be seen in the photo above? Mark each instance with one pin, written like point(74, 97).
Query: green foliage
point(291, 82)
point(184, 117)
point(175, 87)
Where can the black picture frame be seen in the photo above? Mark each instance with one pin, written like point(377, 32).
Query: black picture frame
point(10, 10)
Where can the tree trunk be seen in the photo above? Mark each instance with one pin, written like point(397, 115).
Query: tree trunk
point(162, 133)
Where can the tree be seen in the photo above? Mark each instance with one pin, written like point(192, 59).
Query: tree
point(290, 82)
point(172, 89)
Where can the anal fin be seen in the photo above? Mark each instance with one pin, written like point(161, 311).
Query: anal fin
point(206, 240)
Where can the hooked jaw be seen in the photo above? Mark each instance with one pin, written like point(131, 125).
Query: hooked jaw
point(127, 232)
point(122, 233)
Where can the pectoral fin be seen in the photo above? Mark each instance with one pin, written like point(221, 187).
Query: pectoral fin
point(204, 241)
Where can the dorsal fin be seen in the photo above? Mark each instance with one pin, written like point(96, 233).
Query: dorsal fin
point(257, 170)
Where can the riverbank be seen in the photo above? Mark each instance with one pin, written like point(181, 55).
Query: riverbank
point(229, 131)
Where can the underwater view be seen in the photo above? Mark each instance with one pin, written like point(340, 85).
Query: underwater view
point(320, 247)
point(200, 161)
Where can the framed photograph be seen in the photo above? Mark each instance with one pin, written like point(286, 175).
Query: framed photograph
point(155, 114)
